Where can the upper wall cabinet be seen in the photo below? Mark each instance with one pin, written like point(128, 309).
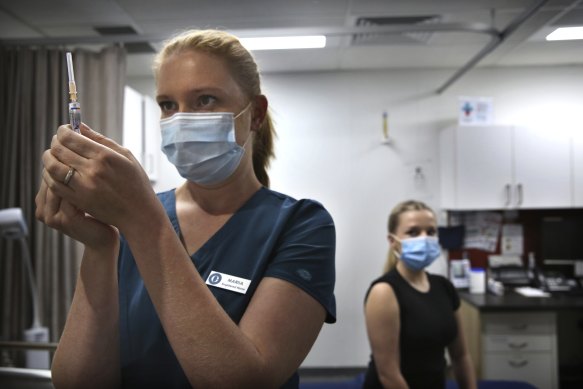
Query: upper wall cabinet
point(503, 167)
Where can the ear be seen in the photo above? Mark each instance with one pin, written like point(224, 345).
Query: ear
point(392, 240)
point(259, 112)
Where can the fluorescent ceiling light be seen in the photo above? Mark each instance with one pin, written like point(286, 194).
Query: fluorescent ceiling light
point(565, 34)
point(285, 42)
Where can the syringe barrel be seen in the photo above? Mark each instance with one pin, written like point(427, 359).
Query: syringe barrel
point(75, 116)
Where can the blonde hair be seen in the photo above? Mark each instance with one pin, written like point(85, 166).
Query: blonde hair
point(393, 224)
point(244, 71)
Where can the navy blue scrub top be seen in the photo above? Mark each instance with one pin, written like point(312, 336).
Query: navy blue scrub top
point(271, 235)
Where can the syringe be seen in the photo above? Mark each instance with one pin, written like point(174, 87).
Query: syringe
point(74, 106)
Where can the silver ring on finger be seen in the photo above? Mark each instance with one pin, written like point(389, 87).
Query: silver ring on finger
point(69, 175)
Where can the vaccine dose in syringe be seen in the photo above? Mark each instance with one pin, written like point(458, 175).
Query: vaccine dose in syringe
point(74, 106)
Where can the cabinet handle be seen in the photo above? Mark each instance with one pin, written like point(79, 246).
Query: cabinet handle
point(517, 345)
point(519, 194)
point(507, 189)
point(520, 363)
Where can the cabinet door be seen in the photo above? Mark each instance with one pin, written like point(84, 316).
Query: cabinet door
point(133, 121)
point(483, 167)
point(152, 138)
point(578, 168)
point(542, 165)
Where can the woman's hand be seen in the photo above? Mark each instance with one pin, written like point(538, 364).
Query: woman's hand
point(63, 216)
point(108, 182)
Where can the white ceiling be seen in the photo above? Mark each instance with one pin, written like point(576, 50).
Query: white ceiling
point(28, 21)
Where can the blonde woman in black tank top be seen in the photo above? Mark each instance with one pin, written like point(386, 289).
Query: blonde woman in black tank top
point(412, 317)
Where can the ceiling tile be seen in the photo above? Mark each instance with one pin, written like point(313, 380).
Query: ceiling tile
point(13, 28)
point(68, 12)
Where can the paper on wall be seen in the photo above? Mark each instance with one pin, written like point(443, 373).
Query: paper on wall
point(482, 230)
point(512, 240)
point(475, 111)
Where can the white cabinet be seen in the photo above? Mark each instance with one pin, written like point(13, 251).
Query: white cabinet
point(483, 167)
point(141, 130)
point(133, 122)
point(152, 138)
point(504, 167)
point(542, 168)
point(521, 347)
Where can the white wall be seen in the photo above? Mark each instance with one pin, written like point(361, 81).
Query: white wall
point(329, 148)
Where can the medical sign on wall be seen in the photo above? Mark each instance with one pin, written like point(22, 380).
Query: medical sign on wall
point(475, 111)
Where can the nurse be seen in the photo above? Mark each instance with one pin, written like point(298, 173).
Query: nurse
point(413, 316)
point(218, 283)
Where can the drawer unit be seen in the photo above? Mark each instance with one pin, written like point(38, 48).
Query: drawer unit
point(520, 346)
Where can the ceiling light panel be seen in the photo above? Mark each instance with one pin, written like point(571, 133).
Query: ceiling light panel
point(284, 42)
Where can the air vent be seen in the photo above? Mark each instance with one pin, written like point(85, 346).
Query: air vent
point(386, 39)
point(131, 47)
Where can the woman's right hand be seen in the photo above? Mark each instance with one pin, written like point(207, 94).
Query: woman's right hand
point(63, 216)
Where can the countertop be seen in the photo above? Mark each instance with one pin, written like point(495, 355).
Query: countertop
point(512, 301)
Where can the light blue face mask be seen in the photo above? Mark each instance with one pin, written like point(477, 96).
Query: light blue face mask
point(420, 252)
point(202, 146)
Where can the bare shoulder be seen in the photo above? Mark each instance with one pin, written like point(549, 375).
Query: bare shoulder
point(381, 300)
point(382, 319)
point(381, 291)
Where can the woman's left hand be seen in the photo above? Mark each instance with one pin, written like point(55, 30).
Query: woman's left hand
point(108, 182)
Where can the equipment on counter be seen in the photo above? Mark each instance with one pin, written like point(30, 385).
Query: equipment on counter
point(13, 227)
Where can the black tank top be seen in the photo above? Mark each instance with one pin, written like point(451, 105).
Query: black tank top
point(428, 326)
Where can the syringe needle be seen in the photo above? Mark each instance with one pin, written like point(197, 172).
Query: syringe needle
point(72, 86)
point(70, 67)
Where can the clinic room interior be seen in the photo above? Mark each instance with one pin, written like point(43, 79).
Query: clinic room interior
point(471, 107)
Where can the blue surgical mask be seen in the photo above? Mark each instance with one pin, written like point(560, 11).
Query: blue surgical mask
point(202, 146)
point(420, 252)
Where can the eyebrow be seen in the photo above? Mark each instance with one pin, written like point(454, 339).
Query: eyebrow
point(417, 228)
point(195, 91)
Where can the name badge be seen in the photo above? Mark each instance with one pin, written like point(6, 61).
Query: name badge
point(229, 282)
